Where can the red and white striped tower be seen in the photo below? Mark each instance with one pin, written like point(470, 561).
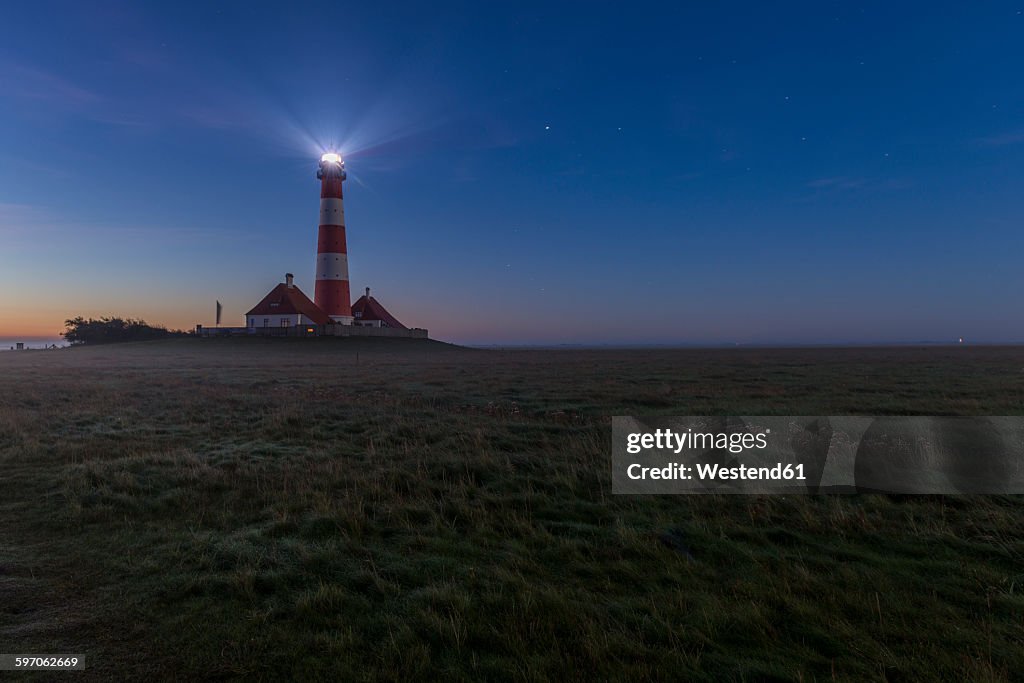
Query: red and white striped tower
point(331, 293)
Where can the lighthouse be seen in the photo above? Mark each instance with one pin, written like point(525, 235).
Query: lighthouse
point(331, 293)
point(286, 311)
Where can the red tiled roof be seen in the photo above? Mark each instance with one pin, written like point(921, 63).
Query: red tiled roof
point(368, 308)
point(290, 300)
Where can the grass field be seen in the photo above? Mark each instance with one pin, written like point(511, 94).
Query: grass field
point(400, 510)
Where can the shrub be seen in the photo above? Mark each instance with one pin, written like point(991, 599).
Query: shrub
point(108, 330)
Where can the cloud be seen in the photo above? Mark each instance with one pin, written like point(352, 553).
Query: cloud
point(34, 224)
point(1014, 137)
point(31, 83)
point(17, 219)
point(838, 183)
point(38, 90)
point(841, 184)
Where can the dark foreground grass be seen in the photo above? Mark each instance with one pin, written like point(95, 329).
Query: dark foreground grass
point(258, 510)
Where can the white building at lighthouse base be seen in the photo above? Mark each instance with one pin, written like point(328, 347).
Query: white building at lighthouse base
point(286, 306)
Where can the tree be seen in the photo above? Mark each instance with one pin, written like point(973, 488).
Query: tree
point(111, 329)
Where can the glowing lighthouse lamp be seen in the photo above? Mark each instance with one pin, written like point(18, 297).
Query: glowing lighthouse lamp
point(332, 292)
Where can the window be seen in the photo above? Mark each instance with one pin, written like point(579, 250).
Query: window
point(252, 322)
point(285, 322)
point(266, 322)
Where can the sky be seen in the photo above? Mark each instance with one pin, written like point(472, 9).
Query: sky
point(520, 172)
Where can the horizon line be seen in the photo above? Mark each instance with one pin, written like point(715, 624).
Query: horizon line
point(661, 345)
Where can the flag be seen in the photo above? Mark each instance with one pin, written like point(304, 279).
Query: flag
point(218, 312)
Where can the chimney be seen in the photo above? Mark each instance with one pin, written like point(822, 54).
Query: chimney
point(367, 293)
point(288, 280)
